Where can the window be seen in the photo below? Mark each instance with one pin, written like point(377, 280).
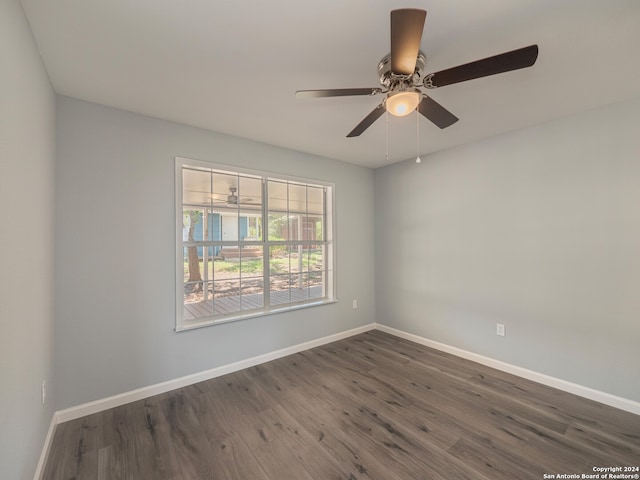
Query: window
point(249, 243)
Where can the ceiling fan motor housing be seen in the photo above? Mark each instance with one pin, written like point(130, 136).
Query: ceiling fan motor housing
point(392, 81)
point(232, 198)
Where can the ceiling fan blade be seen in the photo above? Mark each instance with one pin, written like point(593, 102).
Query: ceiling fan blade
point(337, 92)
point(407, 25)
point(367, 121)
point(505, 62)
point(435, 112)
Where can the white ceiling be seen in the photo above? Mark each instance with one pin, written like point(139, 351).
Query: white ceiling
point(233, 66)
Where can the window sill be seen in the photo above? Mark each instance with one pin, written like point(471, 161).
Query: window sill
point(221, 319)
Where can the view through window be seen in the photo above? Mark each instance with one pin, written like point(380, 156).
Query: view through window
point(250, 243)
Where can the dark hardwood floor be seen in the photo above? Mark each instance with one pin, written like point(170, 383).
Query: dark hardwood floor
point(372, 406)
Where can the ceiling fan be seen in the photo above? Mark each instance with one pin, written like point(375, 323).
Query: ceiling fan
point(232, 200)
point(401, 74)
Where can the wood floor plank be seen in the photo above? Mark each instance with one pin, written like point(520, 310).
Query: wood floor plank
point(78, 441)
point(305, 447)
point(189, 441)
point(152, 441)
point(345, 413)
point(372, 406)
point(234, 460)
point(238, 418)
point(278, 462)
point(494, 461)
point(117, 444)
point(349, 450)
point(460, 396)
point(388, 423)
point(491, 421)
point(608, 445)
point(105, 464)
point(408, 431)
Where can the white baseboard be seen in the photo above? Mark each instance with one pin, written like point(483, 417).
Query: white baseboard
point(116, 400)
point(145, 392)
point(580, 390)
point(44, 455)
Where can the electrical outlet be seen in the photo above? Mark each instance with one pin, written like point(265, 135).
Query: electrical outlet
point(500, 329)
point(355, 304)
point(44, 391)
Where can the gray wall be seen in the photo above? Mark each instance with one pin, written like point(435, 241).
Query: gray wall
point(115, 280)
point(538, 229)
point(27, 149)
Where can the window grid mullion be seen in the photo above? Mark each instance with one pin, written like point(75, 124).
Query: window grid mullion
point(325, 264)
point(289, 237)
point(266, 249)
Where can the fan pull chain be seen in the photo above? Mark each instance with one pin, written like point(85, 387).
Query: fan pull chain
point(418, 159)
point(386, 118)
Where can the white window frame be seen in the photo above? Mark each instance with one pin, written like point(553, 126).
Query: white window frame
point(329, 228)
